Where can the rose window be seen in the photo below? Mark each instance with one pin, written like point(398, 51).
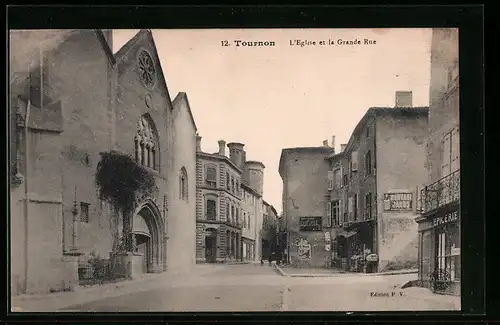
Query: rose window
point(146, 69)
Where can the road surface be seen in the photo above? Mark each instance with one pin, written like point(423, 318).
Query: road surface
point(252, 287)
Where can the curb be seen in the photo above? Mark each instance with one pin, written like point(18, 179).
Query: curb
point(319, 275)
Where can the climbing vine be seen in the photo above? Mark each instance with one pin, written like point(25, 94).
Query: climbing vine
point(120, 180)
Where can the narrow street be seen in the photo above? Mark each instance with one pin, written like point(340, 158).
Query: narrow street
point(252, 287)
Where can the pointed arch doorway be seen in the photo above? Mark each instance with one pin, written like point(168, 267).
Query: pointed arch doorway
point(147, 230)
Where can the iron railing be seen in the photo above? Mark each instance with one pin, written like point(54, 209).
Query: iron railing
point(442, 192)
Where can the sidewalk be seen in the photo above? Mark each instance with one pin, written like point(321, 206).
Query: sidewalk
point(420, 293)
point(53, 301)
point(300, 272)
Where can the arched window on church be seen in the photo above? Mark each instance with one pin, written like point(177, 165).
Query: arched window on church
point(183, 185)
point(146, 144)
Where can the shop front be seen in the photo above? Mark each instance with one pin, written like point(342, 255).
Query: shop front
point(439, 250)
point(353, 245)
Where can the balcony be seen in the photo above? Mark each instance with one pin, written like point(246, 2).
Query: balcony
point(444, 191)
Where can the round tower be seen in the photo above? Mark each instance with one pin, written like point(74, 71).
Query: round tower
point(255, 175)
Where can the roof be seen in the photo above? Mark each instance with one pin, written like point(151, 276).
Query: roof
point(335, 155)
point(255, 162)
point(373, 112)
point(248, 187)
point(183, 96)
point(286, 151)
point(105, 45)
point(131, 43)
point(216, 156)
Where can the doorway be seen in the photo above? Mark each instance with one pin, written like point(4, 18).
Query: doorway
point(143, 247)
point(211, 246)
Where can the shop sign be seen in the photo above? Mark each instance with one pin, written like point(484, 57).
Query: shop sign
point(372, 258)
point(455, 251)
point(304, 249)
point(398, 201)
point(450, 217)
point(311, 223)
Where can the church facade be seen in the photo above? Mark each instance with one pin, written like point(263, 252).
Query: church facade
point(72, 102)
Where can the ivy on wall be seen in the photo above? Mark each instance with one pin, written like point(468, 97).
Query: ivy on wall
point(120, 180)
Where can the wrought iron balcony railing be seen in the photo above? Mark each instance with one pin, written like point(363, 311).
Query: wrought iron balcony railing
point(444, 191)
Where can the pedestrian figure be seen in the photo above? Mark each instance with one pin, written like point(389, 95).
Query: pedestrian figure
point(261, 261)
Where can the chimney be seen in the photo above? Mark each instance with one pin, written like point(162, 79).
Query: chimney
point(342, 147)
point(404, 99)
point(222, 147)
point(333, 142)
point(237, 153)
point(198, 143)
point(325, 143)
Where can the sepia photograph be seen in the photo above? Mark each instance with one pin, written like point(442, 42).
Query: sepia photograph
point(234, 170)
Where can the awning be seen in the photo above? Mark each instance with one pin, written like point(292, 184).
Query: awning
point(140, 227)
point(350, 234)
point(345, 234)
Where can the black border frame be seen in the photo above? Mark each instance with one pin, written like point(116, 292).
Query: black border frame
point(468, 18)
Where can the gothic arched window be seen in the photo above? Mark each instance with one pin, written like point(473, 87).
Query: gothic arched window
point(183, 184)
point(146, 144)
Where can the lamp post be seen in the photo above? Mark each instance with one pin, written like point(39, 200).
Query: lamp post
point(74, 211)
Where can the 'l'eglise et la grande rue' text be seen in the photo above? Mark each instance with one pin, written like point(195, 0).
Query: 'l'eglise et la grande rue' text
point(332, 42)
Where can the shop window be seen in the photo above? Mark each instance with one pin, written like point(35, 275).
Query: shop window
point(448, 251)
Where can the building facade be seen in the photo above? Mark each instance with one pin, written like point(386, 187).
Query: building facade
point(270, 231)
point(250, 211)
point(218, 196)
point(229, 199)
point(439, 222)
point(374, 183)
point(73, 100)
point(306, 224)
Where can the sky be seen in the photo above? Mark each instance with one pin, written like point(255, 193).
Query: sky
point(271, 98)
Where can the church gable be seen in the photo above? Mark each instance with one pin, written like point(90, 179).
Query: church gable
point(138, 60)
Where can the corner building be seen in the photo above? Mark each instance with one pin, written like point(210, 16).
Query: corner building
point(439, 223)
point(373, 186)
point(82, 100)
point(307, 227)
point(228, 191)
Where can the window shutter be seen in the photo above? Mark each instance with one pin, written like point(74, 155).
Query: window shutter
point(328, 220)
point(341, 176)
point(330, 179)
point(445, 163)
point(341, 212)
point(354, 161)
